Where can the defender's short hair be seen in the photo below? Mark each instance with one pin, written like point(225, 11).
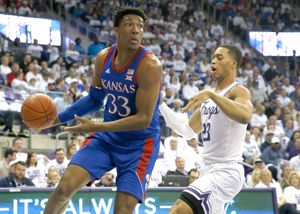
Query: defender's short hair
point(120, 13)
point(235, 52)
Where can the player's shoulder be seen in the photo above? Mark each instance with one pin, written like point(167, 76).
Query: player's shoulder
point(151, 60)
point(103, 53)
point(239, 91)
point(239, 87)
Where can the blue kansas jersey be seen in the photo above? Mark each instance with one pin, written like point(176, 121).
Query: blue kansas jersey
point(121, 86)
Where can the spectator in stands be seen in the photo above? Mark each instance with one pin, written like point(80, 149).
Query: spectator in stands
point(295, 161)
point(291, 147)
point(79, 47)
point(15, 70)
point(193, 175)
point(291, 192)
point(4, 67)
point(25, 64)
point(250, 149)
point(34, 171)
point(255, 177)
point(95, 47)
point(107, 180)
point(266, 181)
point(60, 161)
point(35, 50)
point(258, 93)
point(189, 90)
point(25, 10)
point(71, 55)
point(17, 145)
point(9, 156)
point(53, 177)
point(94, 21)
point(71, 150)
point(34, 73)
point(180, 167)
point(274, 153)
point(259, 118)
point(286, 169)
point(17, 177)
point(52, 53)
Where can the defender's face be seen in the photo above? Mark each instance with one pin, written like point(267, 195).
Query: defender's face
point(130, 31)
point(221, 63)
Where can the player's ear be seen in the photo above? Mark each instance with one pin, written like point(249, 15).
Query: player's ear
point(116, 30)
point(234, 64)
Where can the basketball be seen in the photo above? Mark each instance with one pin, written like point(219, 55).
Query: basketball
point(38, 111)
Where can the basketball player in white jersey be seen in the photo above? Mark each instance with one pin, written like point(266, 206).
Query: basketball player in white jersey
point(221, 115)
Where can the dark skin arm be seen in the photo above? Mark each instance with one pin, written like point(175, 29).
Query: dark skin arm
point(149, 81)
point(236, 104)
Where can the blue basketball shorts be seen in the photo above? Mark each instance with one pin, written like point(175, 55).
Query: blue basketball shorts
point(133, 161)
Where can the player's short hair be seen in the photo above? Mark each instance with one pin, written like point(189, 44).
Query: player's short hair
point(235, 52)
point(120, 13)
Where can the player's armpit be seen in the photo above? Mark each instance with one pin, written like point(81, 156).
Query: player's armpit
point(149, 81)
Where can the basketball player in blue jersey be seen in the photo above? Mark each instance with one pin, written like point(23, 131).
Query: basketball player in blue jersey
point(221, 115)
point(129, 76)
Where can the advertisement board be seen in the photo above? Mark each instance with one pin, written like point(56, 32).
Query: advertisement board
point(101, 201)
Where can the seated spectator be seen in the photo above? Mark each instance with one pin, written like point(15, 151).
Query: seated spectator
point(266, 181)
point(9, 156)
point(286, 169)
point(17, 177)
point(35, 50)
point(274, 153)
point(60, 161)
point(53, 177)
point(193, 175)
point(107, 180)
point(295, 161)
point(34, 171)
point(250, 149)
point(95, 47)
point(78, 46)
point(4, 67)
point(71, 55)
point(180, 167)
point(71, 150)
point(291, 193)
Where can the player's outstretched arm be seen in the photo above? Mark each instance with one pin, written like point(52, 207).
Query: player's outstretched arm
point(148, 78)
point(179, 122)
point(93, 101)
point(236, 105)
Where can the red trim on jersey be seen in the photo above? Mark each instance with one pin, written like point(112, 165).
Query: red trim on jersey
point(137, 67)
point(145, 158)
point(105, 61)
point(128, 64)
point(88, 139)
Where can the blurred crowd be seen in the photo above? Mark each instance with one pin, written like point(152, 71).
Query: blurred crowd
point(182, 36)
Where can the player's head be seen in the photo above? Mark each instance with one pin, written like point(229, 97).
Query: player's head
point(129, 26)
point(226, 59)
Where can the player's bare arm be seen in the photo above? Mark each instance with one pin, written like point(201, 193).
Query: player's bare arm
point(236, 104)
point(149, 81)
point(179, 122)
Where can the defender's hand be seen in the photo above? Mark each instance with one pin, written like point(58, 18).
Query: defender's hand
point(196, 101)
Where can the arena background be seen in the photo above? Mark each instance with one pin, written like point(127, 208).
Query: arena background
point(50, 46)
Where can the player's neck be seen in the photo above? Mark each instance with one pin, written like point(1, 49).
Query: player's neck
point(123, 56)
point(224, 83)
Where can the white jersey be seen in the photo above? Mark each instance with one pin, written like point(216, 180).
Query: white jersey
point(222, 137)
